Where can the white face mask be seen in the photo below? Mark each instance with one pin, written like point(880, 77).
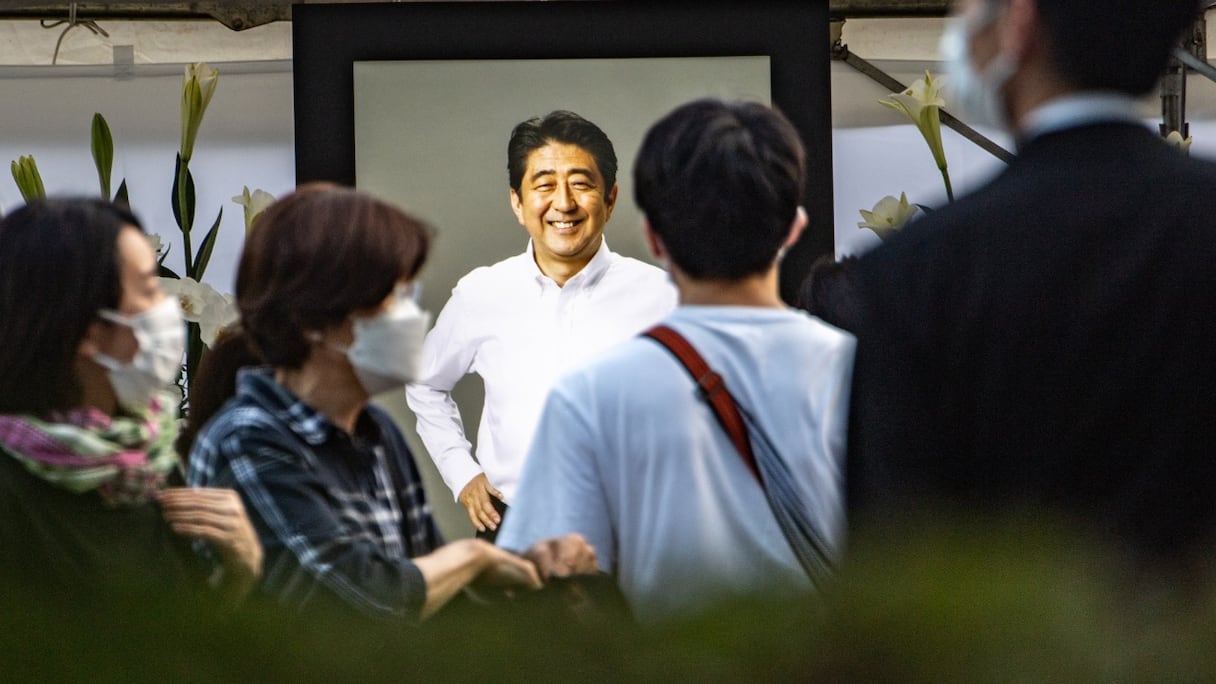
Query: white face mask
point(161, 334)
point(388, 346)
point(977, 96)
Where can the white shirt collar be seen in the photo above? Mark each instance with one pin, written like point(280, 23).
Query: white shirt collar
point(1079, 109)
point(588, 276)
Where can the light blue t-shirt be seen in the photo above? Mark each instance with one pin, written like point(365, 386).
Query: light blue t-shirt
point(631, 457)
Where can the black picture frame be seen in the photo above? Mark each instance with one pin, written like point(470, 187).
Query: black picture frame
point(329, 38)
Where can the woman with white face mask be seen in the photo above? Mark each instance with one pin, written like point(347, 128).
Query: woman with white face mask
point(89, 347)
point(324, 291)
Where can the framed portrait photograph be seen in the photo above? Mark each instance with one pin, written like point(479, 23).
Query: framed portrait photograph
point(415, 101)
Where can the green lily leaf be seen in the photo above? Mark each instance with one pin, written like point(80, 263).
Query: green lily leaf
point(184, 221)
point(103, 152)
point(166, 272)
point(120, 197)
point(204, 249)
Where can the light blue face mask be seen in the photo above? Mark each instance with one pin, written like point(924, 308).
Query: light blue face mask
point(976, 96)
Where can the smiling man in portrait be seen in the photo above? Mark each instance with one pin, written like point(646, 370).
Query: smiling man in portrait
point(524, 321)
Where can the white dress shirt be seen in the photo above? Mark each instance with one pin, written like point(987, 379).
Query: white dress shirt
point(1079, 109)
point(519, 331)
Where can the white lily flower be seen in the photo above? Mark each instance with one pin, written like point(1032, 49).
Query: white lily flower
point(198, 86)
point(922, 102)
point(254, 204)
point(1175, 138)
point(202, 304)
point(924, 92)
point(190, 295)
point(158, 245)
point(220, 315)
point(888, 216)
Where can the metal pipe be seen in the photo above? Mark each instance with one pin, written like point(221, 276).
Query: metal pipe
point(841, 52)
point(888, 8)
point(242, 14)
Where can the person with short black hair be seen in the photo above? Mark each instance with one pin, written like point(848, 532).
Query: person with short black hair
point(523, 321)
point(1043, 347)
point(628, 452)
point(88, 348)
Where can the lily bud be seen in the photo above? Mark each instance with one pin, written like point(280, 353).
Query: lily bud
point(198, 86)
point(29, 181)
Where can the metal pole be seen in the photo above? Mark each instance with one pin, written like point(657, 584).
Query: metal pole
point(1192, 53)
point(841, 52)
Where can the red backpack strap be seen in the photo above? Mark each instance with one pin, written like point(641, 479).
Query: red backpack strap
point(713, 388)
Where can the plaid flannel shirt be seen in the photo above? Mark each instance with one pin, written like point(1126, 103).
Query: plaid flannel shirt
point(331, 520)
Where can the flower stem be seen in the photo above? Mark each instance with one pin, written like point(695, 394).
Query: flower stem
point(946, 180)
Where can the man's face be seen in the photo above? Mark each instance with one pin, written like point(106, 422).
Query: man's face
point(563, 204)
point(140, 292)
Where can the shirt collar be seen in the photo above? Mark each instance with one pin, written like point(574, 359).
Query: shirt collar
point(587, 277)
point(1079, 109)
point(259, 385)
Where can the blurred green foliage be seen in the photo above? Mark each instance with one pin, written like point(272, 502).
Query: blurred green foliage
point(958, 603)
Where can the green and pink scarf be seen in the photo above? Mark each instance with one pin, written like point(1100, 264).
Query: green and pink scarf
point(124, 459)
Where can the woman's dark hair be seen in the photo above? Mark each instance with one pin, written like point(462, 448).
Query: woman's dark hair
point(317, 256)
point(59, 265)
point(213, 384)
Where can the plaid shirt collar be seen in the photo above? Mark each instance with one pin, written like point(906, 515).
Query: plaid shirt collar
point(258, 385)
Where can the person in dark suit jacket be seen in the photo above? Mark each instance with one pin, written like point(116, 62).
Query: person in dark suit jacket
point(1047, 344)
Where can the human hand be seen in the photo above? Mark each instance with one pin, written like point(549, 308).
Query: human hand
point(476, 500)
point(563, 556)
point(218, 517)
point(506, 570)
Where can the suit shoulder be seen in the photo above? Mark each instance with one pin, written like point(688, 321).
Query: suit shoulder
point(1203, 170)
